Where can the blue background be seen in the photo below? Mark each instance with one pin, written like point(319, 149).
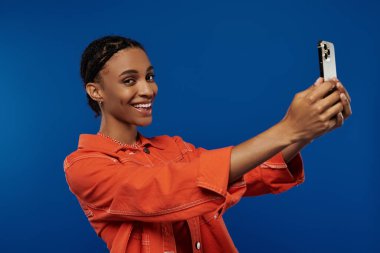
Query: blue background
point(226, 71)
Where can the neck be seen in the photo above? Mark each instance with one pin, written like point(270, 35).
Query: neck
point(121, 131)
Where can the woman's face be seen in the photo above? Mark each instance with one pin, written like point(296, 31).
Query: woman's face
point(128, 80)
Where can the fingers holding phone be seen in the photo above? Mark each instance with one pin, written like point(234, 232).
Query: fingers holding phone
point(310, 115)
point(325, 102)
point(321, 90)
point(346, 100)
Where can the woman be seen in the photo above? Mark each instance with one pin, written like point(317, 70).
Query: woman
point(162, 194)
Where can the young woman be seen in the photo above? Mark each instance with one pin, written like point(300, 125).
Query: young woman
point(162, 194)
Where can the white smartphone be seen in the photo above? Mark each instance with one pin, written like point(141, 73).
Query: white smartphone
point(327, 64)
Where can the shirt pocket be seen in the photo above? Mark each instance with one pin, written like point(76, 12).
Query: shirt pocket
point(166, 158)
point(182, 153)
point(136, 159)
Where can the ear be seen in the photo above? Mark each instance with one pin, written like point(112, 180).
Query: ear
point(94, 90)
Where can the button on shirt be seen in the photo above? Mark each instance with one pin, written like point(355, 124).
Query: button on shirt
point(166, 195)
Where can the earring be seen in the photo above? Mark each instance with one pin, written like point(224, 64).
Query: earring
point(100, 103)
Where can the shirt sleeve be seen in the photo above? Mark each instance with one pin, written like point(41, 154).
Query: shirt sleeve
point(275, 175)
point(175, 191)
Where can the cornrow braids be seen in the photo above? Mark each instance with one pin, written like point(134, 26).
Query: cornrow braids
point(95, 56)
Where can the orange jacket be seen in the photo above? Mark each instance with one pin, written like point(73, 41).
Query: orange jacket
point(138, 199)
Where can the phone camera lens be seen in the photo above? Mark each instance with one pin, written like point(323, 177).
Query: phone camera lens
point(328, 51)
point(326, 56)
point(325, 46)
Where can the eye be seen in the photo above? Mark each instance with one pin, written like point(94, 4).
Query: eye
point(129, 81)
point(150, 77)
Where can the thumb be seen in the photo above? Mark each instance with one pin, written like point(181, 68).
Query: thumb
point(313, 86)
point(318, 81)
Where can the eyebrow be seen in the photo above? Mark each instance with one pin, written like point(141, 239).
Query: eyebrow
point(130, 71)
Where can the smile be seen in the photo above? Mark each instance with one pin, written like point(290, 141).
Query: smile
point(145, 109)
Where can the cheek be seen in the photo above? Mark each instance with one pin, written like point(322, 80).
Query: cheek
point(155, 89)
point(125, 97)
point(123, 103)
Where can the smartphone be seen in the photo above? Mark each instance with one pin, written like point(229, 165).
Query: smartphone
point(327, 65)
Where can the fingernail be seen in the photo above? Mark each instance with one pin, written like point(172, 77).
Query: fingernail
point(343, 96)
point(339, 85)
point(318, 81)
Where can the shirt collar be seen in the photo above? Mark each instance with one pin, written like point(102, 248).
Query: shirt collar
point(97, 142)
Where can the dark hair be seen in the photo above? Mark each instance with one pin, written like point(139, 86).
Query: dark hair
point(96, 54)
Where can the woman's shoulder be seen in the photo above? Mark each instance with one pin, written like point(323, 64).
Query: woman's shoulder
point(91, 146)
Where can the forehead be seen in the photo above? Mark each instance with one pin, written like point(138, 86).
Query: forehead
point(128, 58)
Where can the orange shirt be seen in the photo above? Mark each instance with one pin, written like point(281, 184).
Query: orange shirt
point(167, 195)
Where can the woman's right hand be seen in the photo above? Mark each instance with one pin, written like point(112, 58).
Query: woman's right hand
point(311, 114)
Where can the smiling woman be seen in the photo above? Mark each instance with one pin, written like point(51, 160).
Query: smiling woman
point(162, 194)
point(113, 70)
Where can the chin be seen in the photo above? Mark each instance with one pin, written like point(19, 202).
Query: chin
point(144, 122)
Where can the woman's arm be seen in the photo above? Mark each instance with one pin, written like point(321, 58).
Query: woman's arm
point(291, 151)
point(310, 115)
point(253, 152)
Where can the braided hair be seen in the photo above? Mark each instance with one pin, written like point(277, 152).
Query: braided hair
point(94, 57)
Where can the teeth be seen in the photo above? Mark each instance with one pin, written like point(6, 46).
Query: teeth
point(143, 105)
